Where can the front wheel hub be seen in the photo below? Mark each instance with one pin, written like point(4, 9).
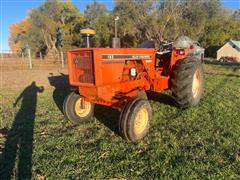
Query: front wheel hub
point(141, 121)
point(82, 107)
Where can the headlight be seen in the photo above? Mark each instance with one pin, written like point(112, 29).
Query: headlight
point(133, 72)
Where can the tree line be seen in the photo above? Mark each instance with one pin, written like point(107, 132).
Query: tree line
point(55, 25)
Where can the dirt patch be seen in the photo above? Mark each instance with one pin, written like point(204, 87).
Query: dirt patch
point(12, 80)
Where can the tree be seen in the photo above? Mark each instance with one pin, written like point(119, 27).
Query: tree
point(236, 14)
point(53, 24)
point(134, 20)
point(196, 15)
point(18, 34)
point(98, 17)
point(166, 23)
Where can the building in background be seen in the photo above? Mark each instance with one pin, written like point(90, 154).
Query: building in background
point(229, 52)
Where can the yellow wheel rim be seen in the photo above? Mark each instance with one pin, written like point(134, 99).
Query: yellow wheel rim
point(141, 121)
point(196, 84)
point(84, 109)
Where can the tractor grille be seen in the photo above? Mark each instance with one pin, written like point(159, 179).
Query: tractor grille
point(85, 67)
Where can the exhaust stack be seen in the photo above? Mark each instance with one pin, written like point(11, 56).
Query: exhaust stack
point(116, 41)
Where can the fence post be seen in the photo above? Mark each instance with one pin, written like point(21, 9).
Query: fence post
point(41, 56)
point(22, 56)
point(62, 59)
point(30, 59)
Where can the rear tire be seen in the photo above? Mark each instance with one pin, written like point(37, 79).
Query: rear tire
point(135, 119)
point(187, 82)
point(75, 111)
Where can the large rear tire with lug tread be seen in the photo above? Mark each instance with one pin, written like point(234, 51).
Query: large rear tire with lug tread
point(76, 110)
point(187, 82)
point(135, 119)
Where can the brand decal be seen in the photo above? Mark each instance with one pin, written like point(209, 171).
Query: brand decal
point(125, 56)
point(148, 61)
point(76, 60)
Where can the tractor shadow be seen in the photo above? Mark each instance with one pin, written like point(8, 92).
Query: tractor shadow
point(61, 88)
point(108, 116)
point(162, 98)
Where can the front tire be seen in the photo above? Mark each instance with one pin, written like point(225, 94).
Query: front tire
point(187, 82)
point(135, 120)
point(77, 110)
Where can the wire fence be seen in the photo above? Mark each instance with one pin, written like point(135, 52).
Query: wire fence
point(14, 58)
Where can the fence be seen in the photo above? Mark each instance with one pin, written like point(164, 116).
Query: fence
point(14, 58)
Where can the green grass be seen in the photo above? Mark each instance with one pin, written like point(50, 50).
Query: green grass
point(200, 142)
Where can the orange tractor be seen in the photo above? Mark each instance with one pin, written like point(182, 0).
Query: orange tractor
point(125, 77)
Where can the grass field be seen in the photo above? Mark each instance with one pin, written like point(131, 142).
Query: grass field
point(200, 142)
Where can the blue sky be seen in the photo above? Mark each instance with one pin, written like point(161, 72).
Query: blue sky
point(12, 11)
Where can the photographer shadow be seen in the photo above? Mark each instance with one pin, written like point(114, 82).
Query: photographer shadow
point(19, 138)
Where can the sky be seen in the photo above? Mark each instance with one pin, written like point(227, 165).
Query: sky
point(12, 11)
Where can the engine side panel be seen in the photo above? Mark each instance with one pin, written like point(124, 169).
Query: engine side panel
point(104, 74)
point(105, 66)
